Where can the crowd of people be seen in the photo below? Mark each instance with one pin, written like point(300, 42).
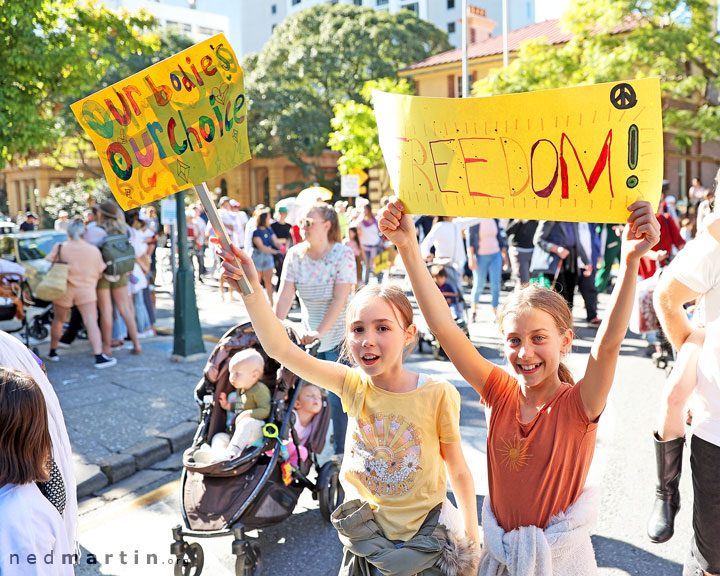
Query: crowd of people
point(111, 266)
point(543, 422)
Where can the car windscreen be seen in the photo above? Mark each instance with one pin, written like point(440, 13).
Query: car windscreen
point(38, 247)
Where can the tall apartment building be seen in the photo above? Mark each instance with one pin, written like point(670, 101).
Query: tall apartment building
point(251, 22)
point(197, 24)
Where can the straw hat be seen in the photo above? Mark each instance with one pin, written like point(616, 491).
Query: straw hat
point(108, 208)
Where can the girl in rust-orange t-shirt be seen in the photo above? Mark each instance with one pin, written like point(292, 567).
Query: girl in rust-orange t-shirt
point(532, 475)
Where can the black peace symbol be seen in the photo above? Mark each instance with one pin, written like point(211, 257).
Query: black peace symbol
point(623, 96)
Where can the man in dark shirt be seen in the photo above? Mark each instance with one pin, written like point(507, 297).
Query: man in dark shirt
point(282, 232)
point(29, 223)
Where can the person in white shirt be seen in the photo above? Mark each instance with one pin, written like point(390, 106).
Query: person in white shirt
point(695, 272)
point(446, 236)
point(46, 518)
point(241, 220)
point(62, 222)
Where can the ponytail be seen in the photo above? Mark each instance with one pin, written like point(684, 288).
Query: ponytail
point(565, 375)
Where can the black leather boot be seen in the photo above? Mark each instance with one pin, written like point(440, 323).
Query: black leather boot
point(661, 524)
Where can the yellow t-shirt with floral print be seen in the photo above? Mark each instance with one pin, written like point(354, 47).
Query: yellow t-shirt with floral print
point(392, 449)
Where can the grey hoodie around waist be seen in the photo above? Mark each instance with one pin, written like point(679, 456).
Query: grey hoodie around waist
point(431, 552)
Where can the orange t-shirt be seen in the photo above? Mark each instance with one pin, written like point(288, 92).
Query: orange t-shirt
point(538, 469)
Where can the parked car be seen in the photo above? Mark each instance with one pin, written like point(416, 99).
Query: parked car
point(29, 250)
point(7, 226)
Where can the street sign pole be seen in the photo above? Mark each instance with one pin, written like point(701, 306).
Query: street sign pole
point(188, 334)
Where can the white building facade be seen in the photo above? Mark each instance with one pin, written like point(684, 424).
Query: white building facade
point(248, 24)
point(198, 25)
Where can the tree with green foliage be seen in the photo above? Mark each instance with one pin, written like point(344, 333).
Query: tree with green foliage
point(318, 58)
point(53, 51)
point(673, 39)
point(355, 133)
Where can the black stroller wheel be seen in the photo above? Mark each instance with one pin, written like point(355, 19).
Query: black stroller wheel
point(38, 331)
point(191, 562)
point(330, 492)
point(248, 564)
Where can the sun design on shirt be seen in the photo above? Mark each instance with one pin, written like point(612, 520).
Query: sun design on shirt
point(385, 454)
point(514, 453)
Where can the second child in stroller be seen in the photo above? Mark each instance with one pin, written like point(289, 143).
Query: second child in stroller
point(247, 409)
point(309, 403)
point(448, 290)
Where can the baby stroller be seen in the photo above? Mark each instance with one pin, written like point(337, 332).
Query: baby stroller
point(459, 309)
point(258, 488)
point(15, 297)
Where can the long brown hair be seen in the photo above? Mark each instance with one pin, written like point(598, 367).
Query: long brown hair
point(393, 295)
point(24, 435)
point(536, 297)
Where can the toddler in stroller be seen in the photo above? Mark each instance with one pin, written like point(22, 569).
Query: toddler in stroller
point(247, 408)
point(259, 485)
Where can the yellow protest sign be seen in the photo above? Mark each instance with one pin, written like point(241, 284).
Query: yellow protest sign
point(384, 260)
point(574, 154)
point(171, 126)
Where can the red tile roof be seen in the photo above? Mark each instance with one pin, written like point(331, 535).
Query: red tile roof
point(549, 29)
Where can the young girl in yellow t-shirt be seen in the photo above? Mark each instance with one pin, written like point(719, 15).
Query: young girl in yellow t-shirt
point(403, 432)
point(541, 434)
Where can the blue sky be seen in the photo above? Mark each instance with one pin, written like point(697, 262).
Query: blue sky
point(547, 9)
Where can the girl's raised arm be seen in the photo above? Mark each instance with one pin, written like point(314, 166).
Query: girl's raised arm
point(641, 233)
point(272, 334)
point(398, 227)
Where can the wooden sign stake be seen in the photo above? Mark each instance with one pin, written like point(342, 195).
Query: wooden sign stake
point(214, 218)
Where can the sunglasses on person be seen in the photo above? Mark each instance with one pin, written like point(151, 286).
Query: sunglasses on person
point(307, 222)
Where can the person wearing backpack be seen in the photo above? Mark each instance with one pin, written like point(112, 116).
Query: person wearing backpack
point(112, 288)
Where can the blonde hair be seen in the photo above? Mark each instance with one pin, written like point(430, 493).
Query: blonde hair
point(534, 297)
point(328, 214)
point(393, 295)
point(247, 355)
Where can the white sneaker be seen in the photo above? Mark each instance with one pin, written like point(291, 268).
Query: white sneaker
point(105, 362)
point(147, 334)
point(203, 455)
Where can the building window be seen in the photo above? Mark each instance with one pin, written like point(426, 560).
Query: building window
point(472, 78)
point(295, 2)
point(179, 26)
point(450, 4)
point(273, 9)
point(382, 2)
point(273, 28)
point(207, 31)
point(451, 27)
point(412, 7)
point(357, 2)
